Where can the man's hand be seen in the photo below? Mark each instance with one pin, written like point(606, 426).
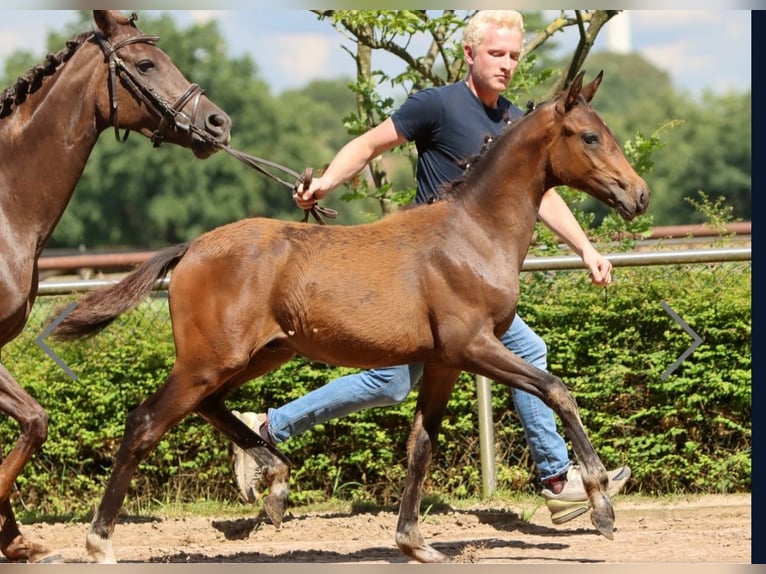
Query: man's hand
point(308, 198)
point(600, 267)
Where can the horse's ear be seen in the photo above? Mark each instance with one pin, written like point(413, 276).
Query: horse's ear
point(574, 91)
point(590, 89)
point(108, 21)
point(104, 21)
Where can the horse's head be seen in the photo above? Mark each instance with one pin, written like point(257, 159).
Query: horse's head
point(145, 92)
point(585, 155)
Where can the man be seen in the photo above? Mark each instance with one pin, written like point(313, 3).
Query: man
point(449, 125)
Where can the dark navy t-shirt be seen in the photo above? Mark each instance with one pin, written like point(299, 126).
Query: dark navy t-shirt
point(449, 125)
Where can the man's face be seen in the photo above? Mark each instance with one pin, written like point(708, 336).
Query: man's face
point(494, 60)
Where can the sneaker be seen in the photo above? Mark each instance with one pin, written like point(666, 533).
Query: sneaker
point(247, 472)
point(571, 501)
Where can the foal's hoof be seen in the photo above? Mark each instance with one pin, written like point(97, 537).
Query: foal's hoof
point(604, 522)
point(51, 559)
point(275, 505)
point(413, 545)
point(427, 555)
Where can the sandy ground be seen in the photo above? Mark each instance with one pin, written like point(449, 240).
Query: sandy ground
point(709, 529)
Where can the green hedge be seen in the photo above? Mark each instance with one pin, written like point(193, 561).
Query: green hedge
point(687, 432)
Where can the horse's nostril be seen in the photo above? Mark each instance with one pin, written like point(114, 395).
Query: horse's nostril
point(218, 123)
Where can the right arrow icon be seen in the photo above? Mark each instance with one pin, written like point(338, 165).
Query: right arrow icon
point(687, 352)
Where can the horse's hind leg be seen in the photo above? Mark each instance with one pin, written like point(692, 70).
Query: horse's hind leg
point(144, 428)
point(435, 391)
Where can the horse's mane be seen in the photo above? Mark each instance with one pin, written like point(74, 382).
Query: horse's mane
point(31, 81)
point(469, 164)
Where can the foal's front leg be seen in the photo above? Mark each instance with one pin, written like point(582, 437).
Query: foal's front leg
point(489, 357)
point(435, 391)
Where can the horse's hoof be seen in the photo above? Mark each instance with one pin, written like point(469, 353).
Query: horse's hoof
point(604, 523)
point(275, 505)
point(51, 559)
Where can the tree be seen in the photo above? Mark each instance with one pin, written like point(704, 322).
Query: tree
point(135, 196)
point(709, 154)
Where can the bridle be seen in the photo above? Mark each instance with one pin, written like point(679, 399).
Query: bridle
point(171, 115)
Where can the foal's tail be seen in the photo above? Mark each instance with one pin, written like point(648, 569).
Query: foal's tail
point(97, 310)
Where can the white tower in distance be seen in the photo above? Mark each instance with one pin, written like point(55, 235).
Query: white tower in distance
point(618, 33)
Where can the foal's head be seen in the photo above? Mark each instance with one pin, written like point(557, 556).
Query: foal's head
point(584, 154)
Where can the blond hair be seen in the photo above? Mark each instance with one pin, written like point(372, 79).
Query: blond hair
point(473, 33)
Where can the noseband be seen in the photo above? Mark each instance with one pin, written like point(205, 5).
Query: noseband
point(171, 115)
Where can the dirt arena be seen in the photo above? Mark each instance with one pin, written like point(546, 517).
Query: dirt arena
point(707, 529)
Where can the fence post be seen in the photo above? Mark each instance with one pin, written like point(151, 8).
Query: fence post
point(486, 436)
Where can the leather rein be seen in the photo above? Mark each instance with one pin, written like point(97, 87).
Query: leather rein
point(172, 115)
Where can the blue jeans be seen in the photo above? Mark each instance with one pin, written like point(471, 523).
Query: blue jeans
point(391, 385)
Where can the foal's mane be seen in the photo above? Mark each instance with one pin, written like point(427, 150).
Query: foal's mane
point(31, 81)
point(470, 164)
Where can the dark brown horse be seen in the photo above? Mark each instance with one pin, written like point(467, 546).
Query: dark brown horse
point(50, 120)
point(435, 284)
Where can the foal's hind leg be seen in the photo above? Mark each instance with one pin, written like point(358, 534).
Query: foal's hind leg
point(275, 468)
point(144, 428)
point(435, 391)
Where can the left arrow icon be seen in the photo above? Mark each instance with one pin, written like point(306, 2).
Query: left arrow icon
point(48, 330)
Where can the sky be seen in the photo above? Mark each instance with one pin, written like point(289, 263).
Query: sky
point(706, 49)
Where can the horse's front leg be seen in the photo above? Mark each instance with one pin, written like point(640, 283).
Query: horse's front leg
point(490, 358)
point(33, 424)
point(15, 546)
point(435, 391)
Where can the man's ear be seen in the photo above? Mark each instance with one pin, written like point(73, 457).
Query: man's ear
point(468, 53)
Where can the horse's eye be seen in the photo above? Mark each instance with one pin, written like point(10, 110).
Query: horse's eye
point(590, 138)
point(145, 66)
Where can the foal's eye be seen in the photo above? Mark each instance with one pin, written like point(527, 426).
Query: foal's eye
point(590, 138)
point(145, 66)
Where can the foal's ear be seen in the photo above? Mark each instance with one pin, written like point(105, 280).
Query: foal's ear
point(590, 90)
point(574, 91)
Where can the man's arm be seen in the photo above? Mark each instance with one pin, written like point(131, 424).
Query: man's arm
point(555, 213)
point(349, 161)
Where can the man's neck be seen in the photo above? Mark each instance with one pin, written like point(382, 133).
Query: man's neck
point(488, 97)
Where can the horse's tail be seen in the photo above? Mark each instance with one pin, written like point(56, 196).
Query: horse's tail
point(100, 308)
